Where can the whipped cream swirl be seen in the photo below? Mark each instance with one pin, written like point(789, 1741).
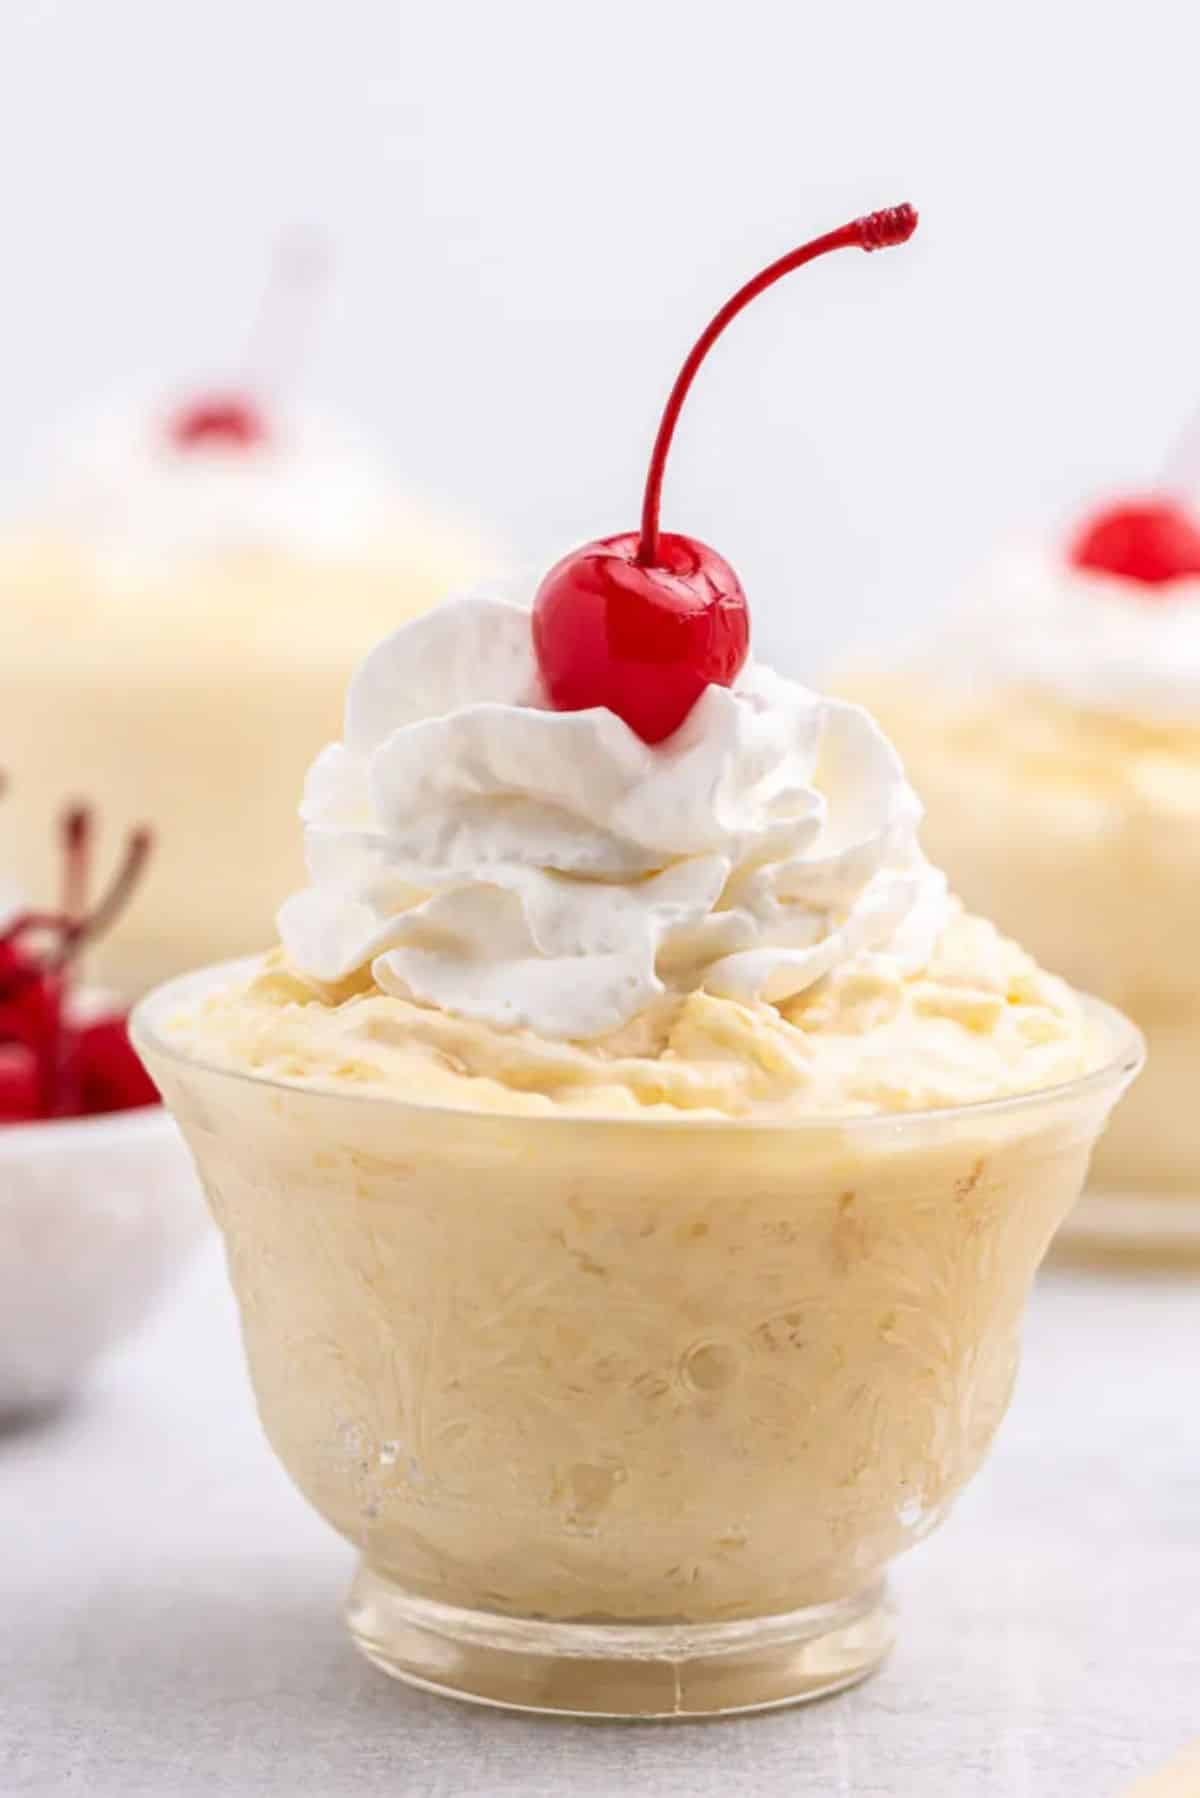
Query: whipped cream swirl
point(548, 870)
point(1098, 641)
point(139, 500)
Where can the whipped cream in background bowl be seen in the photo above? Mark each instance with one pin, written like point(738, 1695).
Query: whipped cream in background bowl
point(127, 489)
point(1095, 641)
point(180, 620)
point(1052, 728)
point(632, 1164)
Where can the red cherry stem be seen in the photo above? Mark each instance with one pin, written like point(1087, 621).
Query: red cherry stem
point(875, 231)
point(74, 930)
point(102, 916)
point(52, 1065)
point(77, 847)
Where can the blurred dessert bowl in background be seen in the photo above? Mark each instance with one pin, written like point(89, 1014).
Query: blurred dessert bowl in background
point(1053, 732)
point(180, 624)
point(184, 600)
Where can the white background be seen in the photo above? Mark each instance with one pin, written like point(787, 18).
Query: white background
point(534, 205)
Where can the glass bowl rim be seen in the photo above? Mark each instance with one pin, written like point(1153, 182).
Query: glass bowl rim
point(1127, 1054)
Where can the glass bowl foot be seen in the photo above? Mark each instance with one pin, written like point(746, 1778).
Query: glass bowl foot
point(618, 1670)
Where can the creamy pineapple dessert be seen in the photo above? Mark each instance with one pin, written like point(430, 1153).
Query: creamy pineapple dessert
point(623, 1219)
point(1054, 736)
point(181, 612)
point(632, 1161)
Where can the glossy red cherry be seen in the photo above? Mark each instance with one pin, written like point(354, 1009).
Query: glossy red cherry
point(51, 1064)
point(643, 622)
point(218, 421)
point(645, 642)
point(32, 1017)
point(112, 1076)
point(19, 1088)
point(1153, 541)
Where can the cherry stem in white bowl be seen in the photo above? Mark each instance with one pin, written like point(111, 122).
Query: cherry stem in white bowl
point(76, 832)
point(874, 231)
point(71, 928)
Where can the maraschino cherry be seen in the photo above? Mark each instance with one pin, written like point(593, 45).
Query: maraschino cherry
point(222, 421)
point(643, 622)
point(1153, 541)
point(54, 1060)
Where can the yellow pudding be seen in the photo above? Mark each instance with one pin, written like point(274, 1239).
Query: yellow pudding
point(640, 1367)
point(655, 1371)
point(782, 1252)
point(633, 1166)
point(981, 1022)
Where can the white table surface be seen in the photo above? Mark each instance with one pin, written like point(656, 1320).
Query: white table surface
point(169, 1608)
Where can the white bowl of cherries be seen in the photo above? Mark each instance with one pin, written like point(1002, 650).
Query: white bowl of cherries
point(99, 1203)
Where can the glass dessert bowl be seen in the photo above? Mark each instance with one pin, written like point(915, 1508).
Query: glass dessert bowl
point(1054, 736)
point(627, 1416)
point(632, 1162)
